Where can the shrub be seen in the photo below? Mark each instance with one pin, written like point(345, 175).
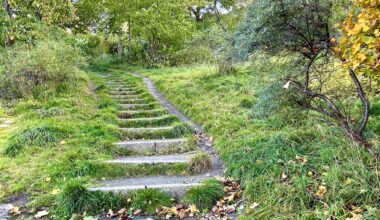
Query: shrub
point(206, 195)
point(49, 67)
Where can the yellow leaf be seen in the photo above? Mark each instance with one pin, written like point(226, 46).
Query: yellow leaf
point(322, 190)
point(54, 192)
point(356, 48)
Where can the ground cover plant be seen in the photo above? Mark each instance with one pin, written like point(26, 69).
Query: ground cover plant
point(286, 90)
point(289, 165)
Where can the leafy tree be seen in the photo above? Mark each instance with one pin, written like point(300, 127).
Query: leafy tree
point(303, 27)
point(359, 47)
point(20, 18)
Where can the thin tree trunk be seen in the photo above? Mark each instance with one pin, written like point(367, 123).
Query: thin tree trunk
point(7, 7)
point(119, 47)
point(365, 103)
point(130, 40)
point(218, 18)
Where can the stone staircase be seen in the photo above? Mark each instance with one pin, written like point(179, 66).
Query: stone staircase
point(154, 137)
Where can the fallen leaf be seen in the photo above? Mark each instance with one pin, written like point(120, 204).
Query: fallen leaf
point(15, 210)
point(137, 212)
point(310, 174)
point(284, 176)
point(54, 192)
point(254, 205)
point(182, 214)
point(348, 181)
point(322, 190)
point(286, 86)
point(41, 214)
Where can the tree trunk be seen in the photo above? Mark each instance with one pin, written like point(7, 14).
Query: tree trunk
point(119, 47)
point(130, 41)
point(7, 7)
point(218, 18)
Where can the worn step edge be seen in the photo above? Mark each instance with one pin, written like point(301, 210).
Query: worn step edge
point(175, 186)
point(156, 159)
point(156, 146)
point(147, 129)
point(145, 119)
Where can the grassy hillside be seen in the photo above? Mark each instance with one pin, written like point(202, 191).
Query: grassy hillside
point(292, 165)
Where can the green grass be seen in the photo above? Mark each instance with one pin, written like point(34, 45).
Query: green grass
point(148, 200)
point(206, 195)
point(259, 148)
point(163, 120)
point(75, 198)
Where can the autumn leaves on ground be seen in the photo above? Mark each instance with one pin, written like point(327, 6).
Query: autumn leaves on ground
point(286, 93)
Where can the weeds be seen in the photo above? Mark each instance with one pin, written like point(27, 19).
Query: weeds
point(75, 198)
point(201, 162)
point(148, 200)
point(206, 195)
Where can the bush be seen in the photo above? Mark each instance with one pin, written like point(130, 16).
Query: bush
point(49, 67)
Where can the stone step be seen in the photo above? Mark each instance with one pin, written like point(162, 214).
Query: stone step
point(122, 93)
point(175, 186)
point(148, 121)
point(155, 146)
point(138, 106)
point(141, 130)
point(142, 113)
point(156, 159)
point(122, 89)
point(134, 96)
point(132, 101)
point(149, 133)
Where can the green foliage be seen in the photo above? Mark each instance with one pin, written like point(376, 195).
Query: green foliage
point(49, 67)
point(206, 195)
point(76, 199)
point(275, 26)
point(35, 136)
point(148, 200)
point(258, 151)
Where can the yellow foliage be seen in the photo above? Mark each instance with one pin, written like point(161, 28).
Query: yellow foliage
point(359, 46)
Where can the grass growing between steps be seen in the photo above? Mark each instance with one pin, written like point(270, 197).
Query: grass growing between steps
point(58, 145)
point(206, 195)
point(292, 165)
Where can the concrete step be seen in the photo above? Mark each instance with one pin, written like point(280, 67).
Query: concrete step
point(148, 121)
point(133, 96)
point(122, 89)
point(141, 130)
point(122, 93)
point(132, 101)
point(155, 146)
point(156, 159)
point(138, 106)
point(149, 133)
point(175, 186)
point(142, 113)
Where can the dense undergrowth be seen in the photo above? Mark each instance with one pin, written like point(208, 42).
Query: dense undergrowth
point(290, 163)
